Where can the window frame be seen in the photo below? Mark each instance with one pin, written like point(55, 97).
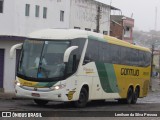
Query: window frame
point(27, 10)
point(61, 15)
point(77, 28)
point(37, 10)
point(87, 29)
point(105, 32)
point(2, 6)
point(44, 12)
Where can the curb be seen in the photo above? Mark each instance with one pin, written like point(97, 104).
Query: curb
point(7, 96)
point(11, 96)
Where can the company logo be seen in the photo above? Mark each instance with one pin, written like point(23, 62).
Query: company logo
point(128, 71)
point(70, 95)
point(6, 114)
point(88, 70)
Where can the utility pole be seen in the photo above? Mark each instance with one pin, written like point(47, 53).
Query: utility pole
point(98, 17)
point(159, 64)
point(152, 59)
point(151, 66)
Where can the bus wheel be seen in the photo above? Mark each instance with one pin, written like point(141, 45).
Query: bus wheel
point(135, 96)
point(129, 96)
point(83, 98)
point(40, 102)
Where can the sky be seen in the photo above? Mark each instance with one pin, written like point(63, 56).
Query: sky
point(143, 12)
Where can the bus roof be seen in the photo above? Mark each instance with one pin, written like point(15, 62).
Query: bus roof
point(65, 34)
point(62, 34)
point(116, 41)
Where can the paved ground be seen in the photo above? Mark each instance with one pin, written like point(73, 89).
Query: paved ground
point(143, 105)
point(155, 83)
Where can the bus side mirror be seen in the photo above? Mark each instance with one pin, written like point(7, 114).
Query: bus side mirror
point(13, 48)
point(68, 52)
point(86, 61)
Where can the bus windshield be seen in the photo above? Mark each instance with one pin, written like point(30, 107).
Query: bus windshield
point(42, 59)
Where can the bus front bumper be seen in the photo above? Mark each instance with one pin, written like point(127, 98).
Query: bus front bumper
point(55, 95)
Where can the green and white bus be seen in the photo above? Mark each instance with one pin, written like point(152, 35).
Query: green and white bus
point(80, 66)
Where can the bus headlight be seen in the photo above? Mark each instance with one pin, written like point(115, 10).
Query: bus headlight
point(57, 87)
point(17, 83)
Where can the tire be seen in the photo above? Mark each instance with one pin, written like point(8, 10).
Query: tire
point(129, 96)
point(40, 102)
point(83, 99)
point(135, 96)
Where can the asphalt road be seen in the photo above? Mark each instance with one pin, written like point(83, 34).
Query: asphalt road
point(29, 105)
point(148, 104)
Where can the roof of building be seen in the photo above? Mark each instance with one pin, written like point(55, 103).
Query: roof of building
point(126, 20)
point(107, 3)
point(120, 17)
point(102, 1)
point(117, 18)
point(11, 37)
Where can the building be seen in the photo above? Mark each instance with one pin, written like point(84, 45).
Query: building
point(85, 15)
point(20, 17)
point(122, 27)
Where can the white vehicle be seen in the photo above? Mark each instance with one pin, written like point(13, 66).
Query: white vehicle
point(75, 65)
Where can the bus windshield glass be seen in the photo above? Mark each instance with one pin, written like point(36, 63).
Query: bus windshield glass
point(42, 59)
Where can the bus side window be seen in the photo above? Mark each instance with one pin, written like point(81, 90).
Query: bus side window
point(91, 52)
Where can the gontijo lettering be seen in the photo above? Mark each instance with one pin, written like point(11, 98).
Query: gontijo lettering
point(128, 71)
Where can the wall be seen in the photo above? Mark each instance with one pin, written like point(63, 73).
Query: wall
point(83, 15)
point(128, 25)
point(9, 65)
point(7, 18)
point(14, 21)
point(122, 28)
point(116, 30)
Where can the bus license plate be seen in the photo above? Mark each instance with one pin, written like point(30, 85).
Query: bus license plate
point(35, 94)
